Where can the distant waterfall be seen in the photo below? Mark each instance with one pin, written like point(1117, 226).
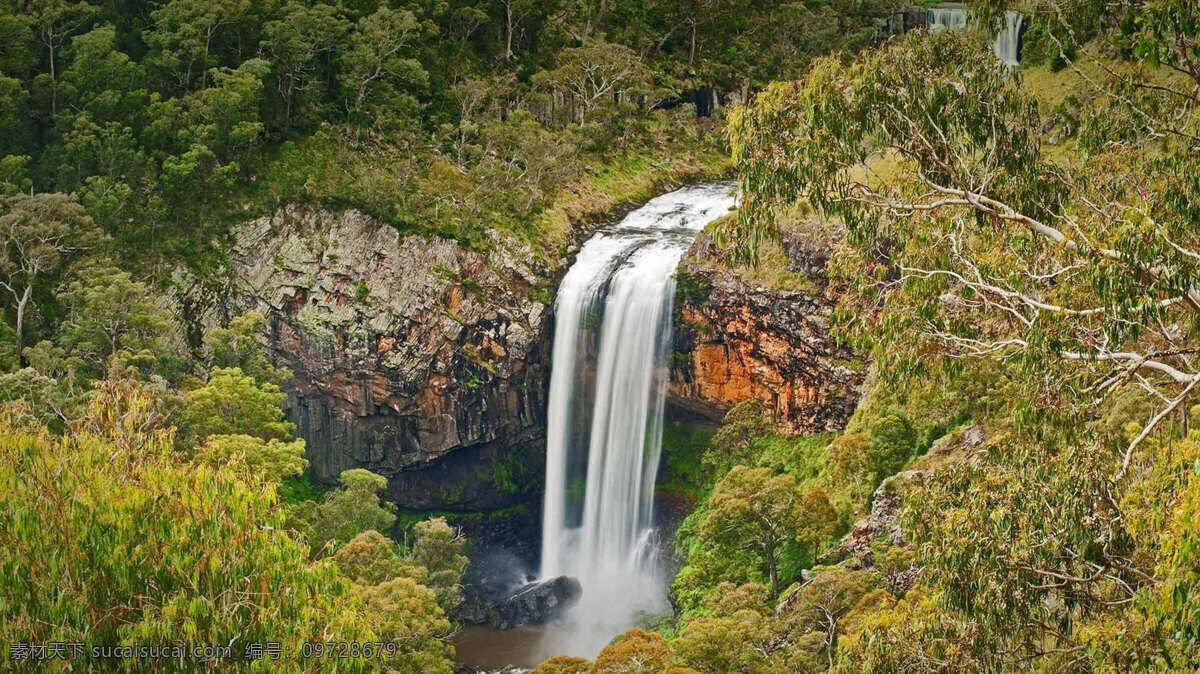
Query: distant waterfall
point(612, 343)
point(1008, 40)
point(938, 19)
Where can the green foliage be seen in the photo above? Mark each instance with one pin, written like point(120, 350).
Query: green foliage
point(297, 489)
point(817, 608)
point(713, 559)
point(726, 644)
point(107, 313)
point(744, 424)
point(232, 403)
point(296, 41)
point(816, 518)
point(378, 67)
point(683, 447)
point(14, 176)
point(351, 510)
point(750, 509)
point(727, 599)
point(107, 520)
point(636, 651)
point(407, 614)
point(893, 441)
point(438, 548)
point(691, 288)
point(147, 111)
point(595, 77)
point(562, 664)
point(45, 399)
point(8, 348)
point(39, 234)
point(273, 459)
point(998, 268)
point(370, 558)
point(242, 344)
point(407, 596)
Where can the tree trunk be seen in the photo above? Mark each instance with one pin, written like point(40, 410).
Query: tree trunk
point(692, 50)
point(508, 17)
point(770, 550)
point(53, 82)
point(831, 641)
point(287, 109)
point(21, 305)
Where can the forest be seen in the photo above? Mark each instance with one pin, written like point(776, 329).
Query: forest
point(996, 263)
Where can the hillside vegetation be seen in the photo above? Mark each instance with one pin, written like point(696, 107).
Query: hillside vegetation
point(1016, 253)
point(155, 458)
point(1018, 489)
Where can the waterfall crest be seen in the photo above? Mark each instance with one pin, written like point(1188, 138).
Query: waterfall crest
point(609, 369)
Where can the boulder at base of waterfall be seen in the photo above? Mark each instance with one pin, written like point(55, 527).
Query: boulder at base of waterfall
point(531, 604)
point(541, 602)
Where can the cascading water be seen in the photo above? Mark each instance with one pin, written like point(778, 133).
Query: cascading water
point(945, 18)
point(1008, 40)
point(609, 371)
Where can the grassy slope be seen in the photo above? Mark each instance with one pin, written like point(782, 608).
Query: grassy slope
point(393, 184)
point(630, 178)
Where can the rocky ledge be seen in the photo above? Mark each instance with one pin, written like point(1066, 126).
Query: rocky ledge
point(427, 362)
point(739, 336)
point(413, 357)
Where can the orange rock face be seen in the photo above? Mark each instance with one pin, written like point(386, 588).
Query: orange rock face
point(737, 341)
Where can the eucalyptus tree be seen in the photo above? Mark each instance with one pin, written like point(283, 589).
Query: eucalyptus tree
point(295, 42)
point(1071, 285)
point(39, 234)
point(91, 520)
point(55, 21)
point(380, 58)
point(753, 510)
point(598, 72)
point(1087, 270)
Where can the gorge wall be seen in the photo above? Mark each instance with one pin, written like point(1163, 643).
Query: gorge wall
point(412, 357)
point(427, 363)
point(763, 334)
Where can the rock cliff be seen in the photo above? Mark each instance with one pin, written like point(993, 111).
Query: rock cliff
point(427, 362)
point(743, 334)
point(414, 358)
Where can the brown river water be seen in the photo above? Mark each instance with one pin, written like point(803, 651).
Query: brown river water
point(491, 649)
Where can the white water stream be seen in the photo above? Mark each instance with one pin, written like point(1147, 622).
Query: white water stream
point(612, 342)
point(1008, 39)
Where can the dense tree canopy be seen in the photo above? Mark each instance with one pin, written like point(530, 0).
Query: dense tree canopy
point(87, 526)
point(974, 253)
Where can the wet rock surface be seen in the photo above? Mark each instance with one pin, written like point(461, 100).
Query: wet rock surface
point(491, 600)
point(427, 363)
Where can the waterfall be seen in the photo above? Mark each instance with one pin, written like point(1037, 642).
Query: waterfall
point(1008, 41)
point(609, 369)
point(1007, 44)
point(938, 19)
